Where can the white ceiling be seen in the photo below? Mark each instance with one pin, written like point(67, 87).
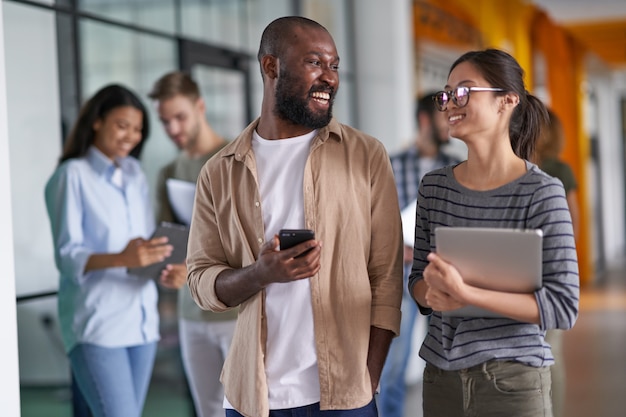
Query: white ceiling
point(573, 11)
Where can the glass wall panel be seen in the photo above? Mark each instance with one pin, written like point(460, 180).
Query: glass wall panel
point(116, 55)
point(34, 147)
point(31, 76)
point(261, 13)
point(233, 24)
point(224, 94)
point(218, 22)
point(153, 14)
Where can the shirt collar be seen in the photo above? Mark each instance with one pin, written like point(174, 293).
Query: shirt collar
point(103, 165)
point(243, 144)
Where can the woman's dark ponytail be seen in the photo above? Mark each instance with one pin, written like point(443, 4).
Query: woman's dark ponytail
point(527, 121)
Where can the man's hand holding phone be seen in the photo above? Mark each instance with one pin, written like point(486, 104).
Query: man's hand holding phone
point(298, 258)
point(290, 263)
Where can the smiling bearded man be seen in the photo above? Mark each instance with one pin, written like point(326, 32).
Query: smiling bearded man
point(314, 328)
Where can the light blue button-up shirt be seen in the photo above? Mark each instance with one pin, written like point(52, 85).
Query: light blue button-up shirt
point(90, 214)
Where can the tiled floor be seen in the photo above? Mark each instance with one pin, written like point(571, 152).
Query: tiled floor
point(594, 350)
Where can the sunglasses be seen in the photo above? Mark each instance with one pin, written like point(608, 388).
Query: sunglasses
point(460, 96)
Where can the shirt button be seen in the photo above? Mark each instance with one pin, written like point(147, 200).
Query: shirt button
point(257, 204)
point(260, 240)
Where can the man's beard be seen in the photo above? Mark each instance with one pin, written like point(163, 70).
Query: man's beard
point(290, 106)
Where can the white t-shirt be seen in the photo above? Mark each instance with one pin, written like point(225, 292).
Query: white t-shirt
point(291, 359)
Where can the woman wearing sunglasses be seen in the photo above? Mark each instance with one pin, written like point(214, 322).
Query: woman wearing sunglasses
point(478, 365)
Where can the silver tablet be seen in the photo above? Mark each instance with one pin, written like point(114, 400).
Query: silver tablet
point(492, 258)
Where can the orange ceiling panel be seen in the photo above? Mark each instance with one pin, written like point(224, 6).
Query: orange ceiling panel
point(607, 39)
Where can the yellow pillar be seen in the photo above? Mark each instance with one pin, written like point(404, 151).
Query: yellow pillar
point(565, 76)
point(504, 25)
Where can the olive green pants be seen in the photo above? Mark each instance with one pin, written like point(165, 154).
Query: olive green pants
point(557, 371)
point(492, 389)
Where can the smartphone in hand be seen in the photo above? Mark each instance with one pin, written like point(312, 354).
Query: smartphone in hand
point(291, 237)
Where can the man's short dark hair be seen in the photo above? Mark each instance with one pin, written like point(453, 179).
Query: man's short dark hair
point(173, 84)
point(276, 34)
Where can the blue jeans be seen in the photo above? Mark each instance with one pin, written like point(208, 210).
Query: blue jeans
point(114, 381)
point(313, 410)
point(80, 408)
point(392, 381)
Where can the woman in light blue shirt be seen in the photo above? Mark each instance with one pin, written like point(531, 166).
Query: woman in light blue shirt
point(101, 220)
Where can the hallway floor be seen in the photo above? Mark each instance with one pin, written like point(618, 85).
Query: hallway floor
point(594, 350)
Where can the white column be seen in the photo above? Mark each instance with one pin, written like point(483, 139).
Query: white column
point(9, 377)
point(603, 121)
point(384, 69)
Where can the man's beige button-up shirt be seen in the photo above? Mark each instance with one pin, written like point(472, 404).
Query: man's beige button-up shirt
point(350, 201)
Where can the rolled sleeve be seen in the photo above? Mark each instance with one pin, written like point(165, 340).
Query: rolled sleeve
point(202, 287)
point(72, 262)
point(387, 318)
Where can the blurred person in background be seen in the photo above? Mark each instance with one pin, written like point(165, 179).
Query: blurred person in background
point(101, 220)
point(549, 147)
point(205, 336)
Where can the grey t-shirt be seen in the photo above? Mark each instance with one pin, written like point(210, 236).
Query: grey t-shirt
point(186, 169)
